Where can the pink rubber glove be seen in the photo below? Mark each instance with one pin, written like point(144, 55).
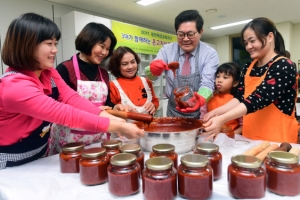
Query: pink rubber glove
point(200, 101)
point(157, 67)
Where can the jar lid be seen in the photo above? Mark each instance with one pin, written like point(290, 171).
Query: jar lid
point(207, 147)
point(111, 144)
point(73, 146)
point(283, 157)
point(246, 161)
point(93, 152)
point(162, 148)
point(194, 160)
point(123, 159)
point(159, 163)
point(130, 148)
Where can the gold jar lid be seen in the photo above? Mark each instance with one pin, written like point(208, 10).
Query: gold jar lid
point(283, 157)
point(123, 159)
point(93, 152)
point(73, 146)
point(246, 161)
point(159, 163)
point(194, 160)
point(163, 148)
point(111, 144)
point(130, 148)
point(207, 147)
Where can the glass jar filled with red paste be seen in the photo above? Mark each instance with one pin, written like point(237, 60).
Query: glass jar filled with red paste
point(195, 173)
point(136, 150)
point(112, 147)
point(123, 174)
point(246, 177)
point(211, 151)
point(166, 150)
point(69, 157)
point(283, 173)
point(93, 166)
point(159, 179)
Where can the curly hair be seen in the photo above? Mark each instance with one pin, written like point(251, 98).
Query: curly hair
point(116, 58)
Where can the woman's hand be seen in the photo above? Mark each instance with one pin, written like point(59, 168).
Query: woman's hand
point(213, 127)
point(125, 108)
point(150, 108)
point(105, 107)
point(131, 131)
point(209, 115)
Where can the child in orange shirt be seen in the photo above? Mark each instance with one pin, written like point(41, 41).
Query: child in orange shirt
point(227, 79)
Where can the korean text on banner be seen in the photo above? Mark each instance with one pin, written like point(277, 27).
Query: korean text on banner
point(141, 40)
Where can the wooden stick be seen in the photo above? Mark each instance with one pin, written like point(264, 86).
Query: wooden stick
point(262, 155)
point(255, 150)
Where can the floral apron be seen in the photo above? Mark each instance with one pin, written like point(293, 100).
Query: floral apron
point(94, 91)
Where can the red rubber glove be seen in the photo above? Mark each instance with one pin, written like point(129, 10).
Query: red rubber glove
point(200, 101)
point(157, 67)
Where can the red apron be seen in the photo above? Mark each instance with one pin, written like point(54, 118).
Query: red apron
point(268, 123)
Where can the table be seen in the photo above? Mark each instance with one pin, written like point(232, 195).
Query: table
point(42, 179)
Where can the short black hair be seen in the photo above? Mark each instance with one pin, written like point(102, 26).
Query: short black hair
point(92, 34)
point(189, 16)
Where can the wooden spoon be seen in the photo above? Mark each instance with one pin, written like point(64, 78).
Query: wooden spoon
point(131, 115)
point(173, 66)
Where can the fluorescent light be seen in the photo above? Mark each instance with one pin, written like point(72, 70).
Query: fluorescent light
point(146, 2)
point(231, 24)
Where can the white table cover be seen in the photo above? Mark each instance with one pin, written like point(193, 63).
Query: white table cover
point(42, 179)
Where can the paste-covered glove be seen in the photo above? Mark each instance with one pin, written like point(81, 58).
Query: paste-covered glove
point(200, 101)
point(157, 67)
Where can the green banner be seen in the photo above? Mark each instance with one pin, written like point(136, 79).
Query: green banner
point(139, 39)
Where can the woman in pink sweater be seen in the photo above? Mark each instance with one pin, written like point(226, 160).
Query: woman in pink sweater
point(33, 95)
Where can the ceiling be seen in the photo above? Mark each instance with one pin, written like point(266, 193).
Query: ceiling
point(160, 16)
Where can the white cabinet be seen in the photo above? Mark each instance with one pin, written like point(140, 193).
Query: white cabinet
point(72, 23)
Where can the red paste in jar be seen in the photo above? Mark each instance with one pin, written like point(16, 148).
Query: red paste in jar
point(283, 181)
point(93, 171)
point(196, 184)
point(246, 184)
point(155, 189)
point(69, 159)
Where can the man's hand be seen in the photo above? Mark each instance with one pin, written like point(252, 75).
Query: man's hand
point(157, 67)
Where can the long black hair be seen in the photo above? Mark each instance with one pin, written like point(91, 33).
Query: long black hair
point(262, 27)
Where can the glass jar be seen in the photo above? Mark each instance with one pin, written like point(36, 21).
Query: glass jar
point(246, 177)
point(69, 157)
point(211, 151)
point(283, 173)
point(166, 150)
point(194, 173)
point(159, 179)
point(184, 97)
point(93, 166)
point(123, 174)
point(136, 150)
point(112, 147)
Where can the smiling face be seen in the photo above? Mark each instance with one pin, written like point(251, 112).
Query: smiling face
point(255, 47)
point(224, 83)
point(128, 66)
point(186, 44)
point(45, 53)
point(98, 53)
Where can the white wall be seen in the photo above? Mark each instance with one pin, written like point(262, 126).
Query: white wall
point(295, 47)
point(222, 47)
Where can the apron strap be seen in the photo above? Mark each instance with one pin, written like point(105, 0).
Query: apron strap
point(76, 67)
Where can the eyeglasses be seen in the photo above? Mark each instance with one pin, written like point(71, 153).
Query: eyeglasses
point(190, 34)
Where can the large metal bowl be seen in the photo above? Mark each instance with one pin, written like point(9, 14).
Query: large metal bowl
point(181, 132)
